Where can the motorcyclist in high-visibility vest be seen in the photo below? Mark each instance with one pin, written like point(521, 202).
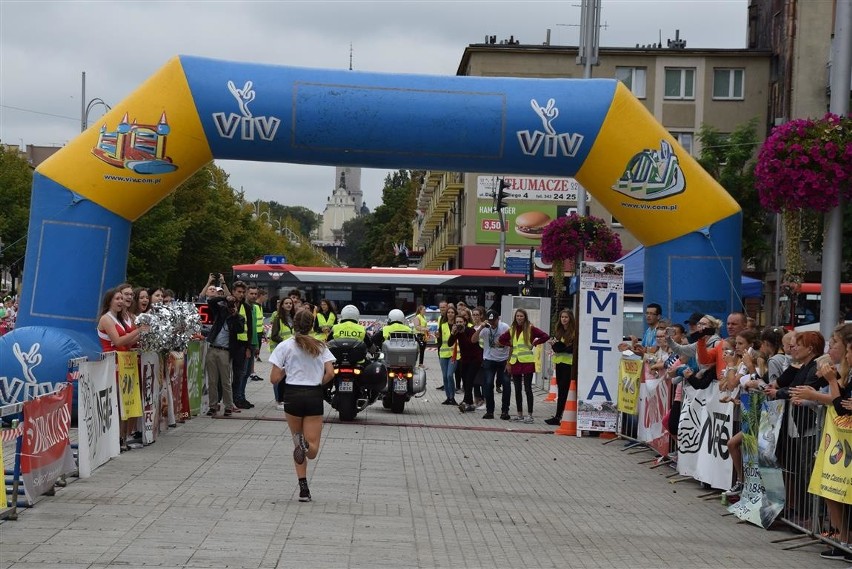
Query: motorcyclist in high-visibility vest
point(348, 327)
point(396, 323)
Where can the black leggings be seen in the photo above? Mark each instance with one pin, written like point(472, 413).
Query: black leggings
point(526, 378)
point(563, 384)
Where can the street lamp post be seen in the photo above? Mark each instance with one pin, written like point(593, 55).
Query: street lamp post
point(86, 107)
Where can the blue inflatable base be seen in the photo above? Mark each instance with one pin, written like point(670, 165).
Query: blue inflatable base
point(34, 359)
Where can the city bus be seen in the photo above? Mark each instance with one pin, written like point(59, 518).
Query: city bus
point(803, 306)
point(376, 291)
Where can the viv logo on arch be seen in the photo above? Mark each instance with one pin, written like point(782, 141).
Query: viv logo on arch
point(548, 141)
point(228, 125)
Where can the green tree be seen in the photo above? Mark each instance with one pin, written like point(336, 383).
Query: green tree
point(390, 223)
point(16, 181)
point(731, 160)
point(155, 244)
point(354, 232)
point(306, 220)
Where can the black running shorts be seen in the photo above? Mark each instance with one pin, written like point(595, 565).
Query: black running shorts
point(303, 400)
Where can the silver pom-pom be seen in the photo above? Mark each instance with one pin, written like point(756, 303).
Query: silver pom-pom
point(172, 326)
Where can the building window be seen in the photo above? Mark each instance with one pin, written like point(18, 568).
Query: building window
point(728, 83)
point(633, 78)
point(680, 83)
point(685, 140)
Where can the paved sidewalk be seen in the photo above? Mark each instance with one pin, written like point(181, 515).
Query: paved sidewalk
point(429, 488)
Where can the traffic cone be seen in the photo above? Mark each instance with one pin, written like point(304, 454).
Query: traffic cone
point(568, 426)
point(553, 391)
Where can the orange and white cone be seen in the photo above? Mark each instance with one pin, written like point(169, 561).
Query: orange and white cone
point(553, 391)
point(568, 426)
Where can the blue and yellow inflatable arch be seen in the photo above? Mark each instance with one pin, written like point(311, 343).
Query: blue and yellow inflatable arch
point(194, 109)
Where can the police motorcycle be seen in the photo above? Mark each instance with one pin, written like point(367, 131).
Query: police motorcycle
point(399, 351)
point(358, 381)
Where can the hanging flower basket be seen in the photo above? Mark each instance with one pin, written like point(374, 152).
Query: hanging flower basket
point(571, 237)
point(804, 165)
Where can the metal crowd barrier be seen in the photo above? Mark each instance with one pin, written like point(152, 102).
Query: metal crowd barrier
point(803, 512)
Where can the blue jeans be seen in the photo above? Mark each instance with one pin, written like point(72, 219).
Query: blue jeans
point(492, 370)
point(448, 368)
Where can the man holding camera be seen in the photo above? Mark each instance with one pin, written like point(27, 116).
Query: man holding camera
point(494, 357)
point(222, 340)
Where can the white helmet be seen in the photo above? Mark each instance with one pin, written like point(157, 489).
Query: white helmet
point(349, 312)
point(396, 315)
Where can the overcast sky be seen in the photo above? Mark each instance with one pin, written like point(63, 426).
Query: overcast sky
point(45, 45)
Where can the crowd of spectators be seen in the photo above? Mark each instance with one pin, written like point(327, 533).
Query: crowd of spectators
point(783, 365)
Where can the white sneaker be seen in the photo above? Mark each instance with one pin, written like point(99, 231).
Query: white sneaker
point(280, 406)
point(518, 418)
point(481, 407)
point(528, 419)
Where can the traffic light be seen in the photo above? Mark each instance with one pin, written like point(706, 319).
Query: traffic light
point(500, 196)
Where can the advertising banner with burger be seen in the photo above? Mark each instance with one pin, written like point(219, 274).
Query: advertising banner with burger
point(532, 203)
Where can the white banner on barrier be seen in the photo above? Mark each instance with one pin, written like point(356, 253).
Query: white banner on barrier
point(654, 395)
point(97, 414)
point(689, 429)
point(714, 462)
point(600, 331)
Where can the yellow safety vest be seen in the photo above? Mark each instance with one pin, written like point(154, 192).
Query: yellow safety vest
point(395, 327)
point(242, 336)
point(283, 330)
point(422, 323)
point(521, 352)
point(445, 351)
point(323, 322)
point(258, 318)
point(348, 329)
point(563, 358)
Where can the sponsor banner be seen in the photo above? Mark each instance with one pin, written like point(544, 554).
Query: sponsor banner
point(97, 413)
point(45, 449)
point(129, 392)
point(150, 371)
point(195, 376)
point(185, 412)
point(689, 429)
point(714, 461)
point(174, 378)
point(832, 475)
point(771, 414)
point(629, 373)
point(600, 330)
point(755, 504)
point(653, 408)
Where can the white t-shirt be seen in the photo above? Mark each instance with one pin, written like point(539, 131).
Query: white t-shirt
point(301, 367)
point(491, 350)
